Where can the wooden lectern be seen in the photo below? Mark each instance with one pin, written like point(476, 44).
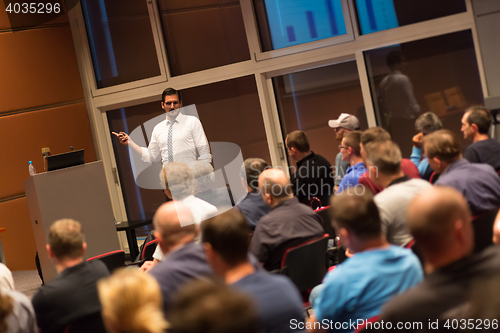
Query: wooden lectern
point(79, 193)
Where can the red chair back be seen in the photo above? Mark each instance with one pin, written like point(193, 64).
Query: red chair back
point(149, 250)
point(306, 264)
point(323, 213)
point(112, 260)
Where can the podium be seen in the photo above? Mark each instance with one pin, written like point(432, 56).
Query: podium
point(78, 193)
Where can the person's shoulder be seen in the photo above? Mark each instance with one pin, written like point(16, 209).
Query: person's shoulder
point(408, 305)
point(322, 160)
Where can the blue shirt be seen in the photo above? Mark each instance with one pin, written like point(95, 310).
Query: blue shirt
point(253, 207)
point(423, 166)
point(359, 287)
point(351, 178)
point(277, 300)
point(477, 182)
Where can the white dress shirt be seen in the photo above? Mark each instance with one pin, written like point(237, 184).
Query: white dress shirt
point(201, 211)
point(187, 137)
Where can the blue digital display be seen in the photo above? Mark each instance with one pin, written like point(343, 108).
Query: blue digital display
point(376, 15)
point(294, 22)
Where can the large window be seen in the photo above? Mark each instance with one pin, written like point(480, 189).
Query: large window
point(307, 100)
point(229, 112)
point(438, 74)
point(121, 41)
point(294, 22)
point(377, 15)
point(203, 34)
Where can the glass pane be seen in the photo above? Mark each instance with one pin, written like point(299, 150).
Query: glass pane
point(438, 74)
point(377, 15)
point(229, 112)
point(293, 22)
point(308, 100)
point(203, 34)
point(121, 41)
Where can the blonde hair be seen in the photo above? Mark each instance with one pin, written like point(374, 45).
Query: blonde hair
point(66, 239)
point(131, 302)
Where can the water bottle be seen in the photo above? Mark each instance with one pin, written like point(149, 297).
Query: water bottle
point(31, 169)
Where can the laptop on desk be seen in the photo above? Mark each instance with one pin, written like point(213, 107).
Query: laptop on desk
point(65, 160)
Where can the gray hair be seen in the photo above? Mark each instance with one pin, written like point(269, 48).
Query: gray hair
point(178, 179)
point(428, 122)
point(204, 177)
point(385, 156)
point(251, 170)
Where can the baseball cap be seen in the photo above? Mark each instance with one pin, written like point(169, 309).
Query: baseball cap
point(347, 121)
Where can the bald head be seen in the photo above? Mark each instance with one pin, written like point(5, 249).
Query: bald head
point(439, 218)
point(275, 183)
point(173, 223)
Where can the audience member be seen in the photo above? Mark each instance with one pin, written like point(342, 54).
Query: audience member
point(440, 221)
point(288, 223)
point(345, 123)
point(179, 183)
point(479, 183)
point(476, 124)
point(384, 164)
point(425, 124)
point(278, 302)
point(351, 152)
point(16, 313)
point(207, 307)
point(6, 279)
point(72, 295)
point(204, 179)
point(359, 287)
point(379, 134)
point(184, 259)
point(131, 303)
point(313, 176)
point(252, 206)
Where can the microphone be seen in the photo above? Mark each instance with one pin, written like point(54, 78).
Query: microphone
point(71, 147)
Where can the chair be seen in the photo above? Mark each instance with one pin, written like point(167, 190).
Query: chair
point(325, 217)
point(483, 230)
point(112, 260)
point(149, 250)
point(315, 203)
point(306, 263)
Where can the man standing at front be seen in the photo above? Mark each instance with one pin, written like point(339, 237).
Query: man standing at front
point(177, 138)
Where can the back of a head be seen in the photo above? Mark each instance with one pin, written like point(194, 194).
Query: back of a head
point(131, 303)
point(173, 220)
point(428, 122)
point(353, 139)
point(205, 307)
point(374, 134)
point(385, 156)
point(357, 213)
point(443, 144)
point(431, 218)
point(298, 140)
point(275, 183)
point(179, 180)
point(66, 239)
point(251, 170)
point(394, 58)
point(481, 117)
point(227, 233)
point(204, 177)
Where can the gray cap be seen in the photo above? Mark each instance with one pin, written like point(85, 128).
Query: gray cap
point(347, 121)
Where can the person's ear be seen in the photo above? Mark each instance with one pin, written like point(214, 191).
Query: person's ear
point(168, 194)
point(268, 199)
point(49, 251)
point(344, 237)
point(84, 248)
point(158, 237)
point(209, 251)
point(474, 128)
